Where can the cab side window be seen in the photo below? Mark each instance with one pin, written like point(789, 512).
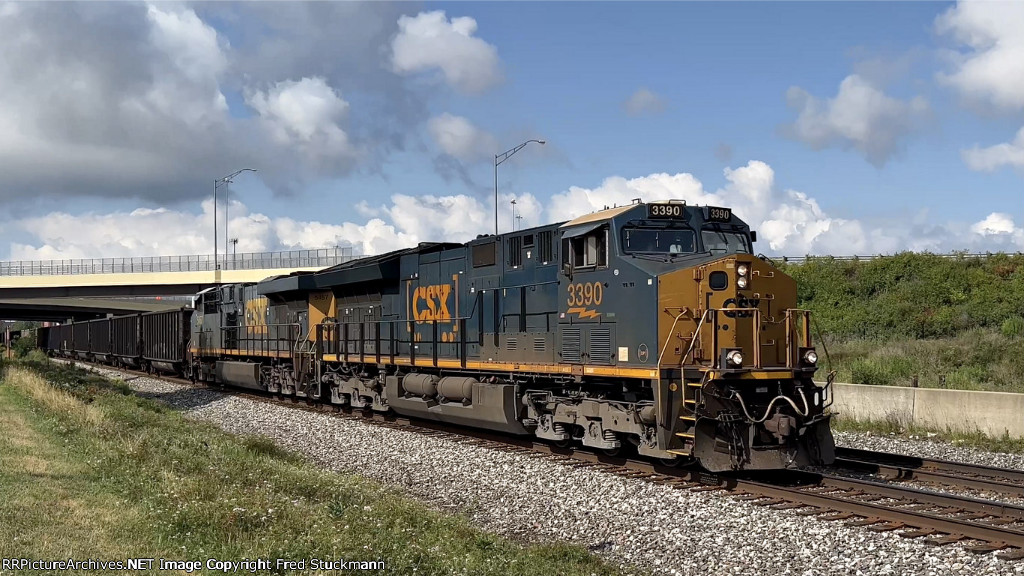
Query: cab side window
point(587, 251)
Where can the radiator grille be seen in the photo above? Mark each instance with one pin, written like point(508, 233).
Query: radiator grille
point(511, 343)
point(539, 344)
point(571, 345)
point(601, 346)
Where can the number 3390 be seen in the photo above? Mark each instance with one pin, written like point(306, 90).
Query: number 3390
point(585, 294)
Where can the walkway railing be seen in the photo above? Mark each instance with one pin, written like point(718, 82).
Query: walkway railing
point(321, 258)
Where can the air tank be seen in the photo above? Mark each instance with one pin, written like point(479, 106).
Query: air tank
point(456, 388)
point(420, 384)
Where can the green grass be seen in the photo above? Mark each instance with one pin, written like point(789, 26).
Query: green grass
point(978, 359)
point(902, 430)
point(88, 470)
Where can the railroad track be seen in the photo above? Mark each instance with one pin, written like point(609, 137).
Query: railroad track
point(897, 467)
point(938, 517)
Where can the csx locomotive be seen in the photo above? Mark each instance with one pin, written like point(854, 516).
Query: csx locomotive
point(651, 325)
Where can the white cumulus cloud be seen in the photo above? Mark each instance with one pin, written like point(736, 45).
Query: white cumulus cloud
point(431, 41)
point(994, 223)
point(989, 66)
point(860, 116)
point(992, 157)
point(788, 222)
point(306, 113)
point(460, 139)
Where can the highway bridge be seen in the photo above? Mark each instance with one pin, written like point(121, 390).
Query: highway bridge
point(22, 282)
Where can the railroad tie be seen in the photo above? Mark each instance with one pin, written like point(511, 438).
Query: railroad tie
point(986, 547)
point(711, 489)
point(1011, 554)
point(886, 526)
point(916, 533)
point(943, 540)
point(768, 502)
point(813, 512)
point(835, 517)
point(865, 521)
point(788, 506)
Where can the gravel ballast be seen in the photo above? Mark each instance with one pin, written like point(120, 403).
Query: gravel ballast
point(648, 528)
point(926, 448)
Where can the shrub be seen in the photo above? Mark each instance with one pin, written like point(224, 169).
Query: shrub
point(870, 371)
point(22, 346)
point(1013, 327)
point(912, 295)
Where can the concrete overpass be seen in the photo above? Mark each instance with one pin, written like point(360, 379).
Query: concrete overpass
point(21, 282)
point(61, 309)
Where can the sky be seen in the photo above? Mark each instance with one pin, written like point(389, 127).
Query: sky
point(831, 128)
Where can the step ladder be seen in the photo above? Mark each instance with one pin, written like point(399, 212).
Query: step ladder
point(691, 393)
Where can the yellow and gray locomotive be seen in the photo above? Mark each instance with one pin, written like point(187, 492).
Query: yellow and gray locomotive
point(649, 325)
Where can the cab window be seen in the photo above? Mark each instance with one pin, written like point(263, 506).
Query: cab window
point(725, 239)
point(587, 251)
point(658, 241)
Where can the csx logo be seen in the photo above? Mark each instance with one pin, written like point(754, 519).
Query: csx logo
point(431, 303)
point(256, 314)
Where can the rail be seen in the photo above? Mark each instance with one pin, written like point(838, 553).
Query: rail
point(320, 258)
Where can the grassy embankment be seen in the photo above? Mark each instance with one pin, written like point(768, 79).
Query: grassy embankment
point(88, 470)
point(952, 322)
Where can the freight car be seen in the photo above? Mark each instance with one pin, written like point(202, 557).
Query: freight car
point(153, 341)
point(650, 325)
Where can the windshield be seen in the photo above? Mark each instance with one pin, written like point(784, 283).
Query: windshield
point(720, 241)
point(659, 241)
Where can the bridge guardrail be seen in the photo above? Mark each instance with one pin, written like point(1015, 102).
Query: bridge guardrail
point(320, 258)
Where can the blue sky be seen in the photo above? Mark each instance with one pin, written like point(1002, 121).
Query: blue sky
point(843, 126)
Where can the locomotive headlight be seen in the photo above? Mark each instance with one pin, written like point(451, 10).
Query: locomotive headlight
point(811, 357)
point(734, 358)
point(742, 269)
point(741, 282)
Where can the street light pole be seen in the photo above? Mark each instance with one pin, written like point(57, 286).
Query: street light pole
point(215, 185)
point(498, 159)
point(227, 183)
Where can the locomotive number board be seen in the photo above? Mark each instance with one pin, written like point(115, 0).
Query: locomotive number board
point(719, 214)
point(669, 211)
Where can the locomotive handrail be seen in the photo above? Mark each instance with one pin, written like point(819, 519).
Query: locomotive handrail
point(337, 333)
point(672, 331)
point(756, 334)
point(523, 285)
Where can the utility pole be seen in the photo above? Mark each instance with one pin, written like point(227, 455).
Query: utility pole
point(498, 159)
